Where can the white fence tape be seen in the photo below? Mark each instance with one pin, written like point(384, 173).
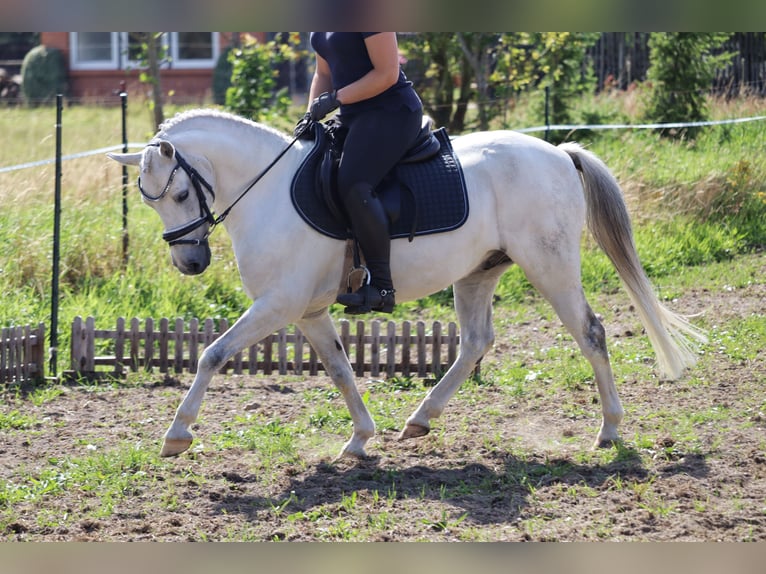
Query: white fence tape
point(71, 156)
point(670, 125)
point(568, 127)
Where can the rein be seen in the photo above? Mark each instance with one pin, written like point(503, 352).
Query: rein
point(174, 236)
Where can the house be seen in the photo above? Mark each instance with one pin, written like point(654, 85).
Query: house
point(13, 47)
point(101, 64)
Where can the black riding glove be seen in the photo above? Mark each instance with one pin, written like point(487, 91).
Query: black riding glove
point(323, 105)
point(303, 127)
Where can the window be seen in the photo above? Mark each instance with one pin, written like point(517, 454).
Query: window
point(93, 50)
point(194, 49)
point(122, 50)
point(132, 54)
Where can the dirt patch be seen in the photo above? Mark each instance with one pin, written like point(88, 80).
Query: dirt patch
point(497, 465)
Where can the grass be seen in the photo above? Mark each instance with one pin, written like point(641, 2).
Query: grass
point(744, 340)
point(693, 203)
point(108, 476)
point(15, 420)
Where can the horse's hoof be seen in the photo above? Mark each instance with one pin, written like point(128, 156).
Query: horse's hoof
point(175, 446)
point(352, 449)
point(351, 454)
point(606, 443)
point(413, 430)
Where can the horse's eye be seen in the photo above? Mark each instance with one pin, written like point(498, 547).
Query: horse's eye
point(183, 196)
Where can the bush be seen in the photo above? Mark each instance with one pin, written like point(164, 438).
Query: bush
point(254, 91)
point(43, 75)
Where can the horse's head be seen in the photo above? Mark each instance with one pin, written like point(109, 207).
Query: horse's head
point(180, 193)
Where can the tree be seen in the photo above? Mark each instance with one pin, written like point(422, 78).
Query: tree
point(479, 51)
point(555, 61)
point(152, 76)
point(444, 66)
point(429, 65)
point(567, 74)
point(488, 68)
point(683, 65)
point(149, 51)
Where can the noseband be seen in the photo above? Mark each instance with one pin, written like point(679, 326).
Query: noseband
point(174, 236)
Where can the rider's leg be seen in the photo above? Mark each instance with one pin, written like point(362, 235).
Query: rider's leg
point(370, 227)
point(375, 141)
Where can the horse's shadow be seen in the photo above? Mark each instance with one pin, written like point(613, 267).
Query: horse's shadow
point(496, 492)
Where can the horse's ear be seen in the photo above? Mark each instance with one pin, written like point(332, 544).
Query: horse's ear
point(166, 149)
point(126, 158)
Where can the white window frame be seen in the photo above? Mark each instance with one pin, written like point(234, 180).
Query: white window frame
point(127, 64)
point(76, 64)
point(119, 54)
point(177, 62)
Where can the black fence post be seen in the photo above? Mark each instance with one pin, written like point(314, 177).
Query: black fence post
point(125, 236)
point(53, 367)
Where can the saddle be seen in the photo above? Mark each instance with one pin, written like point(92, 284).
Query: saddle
point(424, 193)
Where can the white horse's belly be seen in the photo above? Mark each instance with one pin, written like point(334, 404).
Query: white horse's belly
point(431, 263)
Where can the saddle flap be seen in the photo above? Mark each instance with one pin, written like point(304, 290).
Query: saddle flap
point(326, 183)
point(420, 197)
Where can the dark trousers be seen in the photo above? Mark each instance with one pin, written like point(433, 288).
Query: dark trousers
point(375, 141)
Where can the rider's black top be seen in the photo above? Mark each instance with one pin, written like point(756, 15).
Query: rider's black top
point(346, 53)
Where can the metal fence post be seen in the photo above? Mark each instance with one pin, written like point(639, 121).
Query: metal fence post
point(125, 236)
point(53, 367)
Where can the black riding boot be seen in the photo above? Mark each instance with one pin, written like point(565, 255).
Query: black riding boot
point(370, 226)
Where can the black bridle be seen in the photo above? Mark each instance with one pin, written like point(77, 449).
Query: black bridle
point(175, 235)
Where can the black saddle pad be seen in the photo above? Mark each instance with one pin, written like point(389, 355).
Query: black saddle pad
point(437, 186)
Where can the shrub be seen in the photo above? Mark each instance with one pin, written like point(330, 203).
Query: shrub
point(254, 91)
point(43, 75)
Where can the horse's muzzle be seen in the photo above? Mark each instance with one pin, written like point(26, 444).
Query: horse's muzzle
point(191, 259)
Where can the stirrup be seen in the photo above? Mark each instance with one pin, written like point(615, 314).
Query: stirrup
point(359, 268)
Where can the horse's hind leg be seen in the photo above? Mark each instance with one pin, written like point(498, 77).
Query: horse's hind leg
point(561, 286)
point(321, 334)
point(473, 303)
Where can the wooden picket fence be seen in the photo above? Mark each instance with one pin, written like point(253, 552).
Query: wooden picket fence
point(377, 349)
point(22, 354)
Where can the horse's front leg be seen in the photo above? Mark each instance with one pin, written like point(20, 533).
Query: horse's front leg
point(323, 337)
point(254, 325)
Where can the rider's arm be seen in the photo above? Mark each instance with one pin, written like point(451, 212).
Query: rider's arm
point(322, 80)
point(384, 55)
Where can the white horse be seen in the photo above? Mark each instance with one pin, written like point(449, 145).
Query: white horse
point(529, 202)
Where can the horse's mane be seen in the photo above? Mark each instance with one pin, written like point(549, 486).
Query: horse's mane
point(198, 118)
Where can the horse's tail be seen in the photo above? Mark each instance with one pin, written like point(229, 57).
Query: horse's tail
point(673, 338)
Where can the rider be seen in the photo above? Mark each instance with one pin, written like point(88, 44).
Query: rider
point(381, 114)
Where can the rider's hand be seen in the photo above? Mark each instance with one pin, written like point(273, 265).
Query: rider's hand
point(323, 105)
point(303, 127)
